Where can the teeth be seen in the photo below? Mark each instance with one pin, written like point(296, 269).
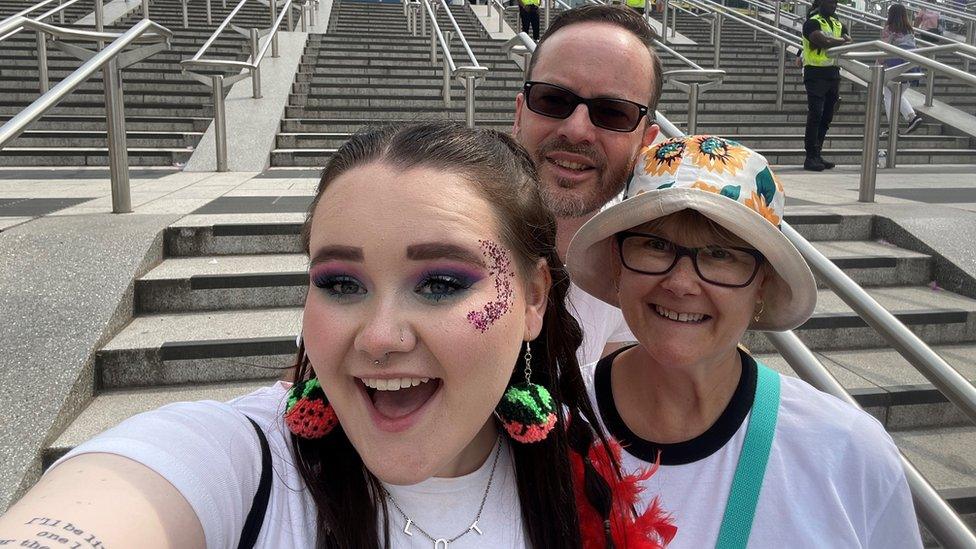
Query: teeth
point(394, 384)
point(680, 317)
point(569, 165)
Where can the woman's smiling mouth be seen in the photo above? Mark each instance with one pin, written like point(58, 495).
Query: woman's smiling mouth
point(692, 318)
point(396, 402)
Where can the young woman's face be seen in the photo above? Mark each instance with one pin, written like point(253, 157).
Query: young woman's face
point(679, 319)
point(415, 316)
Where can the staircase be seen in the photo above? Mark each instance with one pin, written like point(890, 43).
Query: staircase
point(742, 108)
point(218, 315)
point(167, 112)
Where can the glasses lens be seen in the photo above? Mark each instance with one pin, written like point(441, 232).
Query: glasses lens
point(647, 254)
point(726, 265)
point(613, 114)
point(551, 101)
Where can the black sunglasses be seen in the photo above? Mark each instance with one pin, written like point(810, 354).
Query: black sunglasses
point(618, 115)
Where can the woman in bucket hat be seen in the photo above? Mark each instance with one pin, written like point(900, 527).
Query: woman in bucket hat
point(694, 256)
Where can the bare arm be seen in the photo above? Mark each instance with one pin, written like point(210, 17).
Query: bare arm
point(820, 40)
point(102, 501)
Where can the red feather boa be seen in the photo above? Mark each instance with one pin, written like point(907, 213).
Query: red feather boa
point(652, 529)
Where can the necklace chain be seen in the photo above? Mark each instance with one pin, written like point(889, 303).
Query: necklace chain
point(441, 542)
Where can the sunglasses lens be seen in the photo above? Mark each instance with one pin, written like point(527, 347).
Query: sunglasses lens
point(551, 101)
point(614, 115)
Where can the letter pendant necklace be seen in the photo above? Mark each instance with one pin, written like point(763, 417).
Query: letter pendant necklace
point(443, 543)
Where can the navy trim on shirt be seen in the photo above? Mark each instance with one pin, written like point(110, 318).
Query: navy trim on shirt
point(678, 453)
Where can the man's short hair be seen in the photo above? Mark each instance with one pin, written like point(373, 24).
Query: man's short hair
point(620, 16)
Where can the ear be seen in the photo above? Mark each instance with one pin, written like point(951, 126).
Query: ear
point(519, 103)
point(536, 298)
point(650, 134)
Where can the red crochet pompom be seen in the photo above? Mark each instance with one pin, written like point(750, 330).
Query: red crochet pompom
point(652, 529)
point(311, 418)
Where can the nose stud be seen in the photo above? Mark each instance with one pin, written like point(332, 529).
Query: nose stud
point(386, 357)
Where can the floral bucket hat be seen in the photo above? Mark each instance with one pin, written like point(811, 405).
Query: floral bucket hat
point(730, 184)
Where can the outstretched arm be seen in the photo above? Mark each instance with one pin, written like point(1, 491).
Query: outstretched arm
point(102, 501)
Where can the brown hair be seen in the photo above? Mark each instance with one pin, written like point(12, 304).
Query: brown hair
point(617, 15)
point(898, 21)
point(345, 492)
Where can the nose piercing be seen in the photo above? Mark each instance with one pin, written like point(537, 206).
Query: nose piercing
point(386, 357)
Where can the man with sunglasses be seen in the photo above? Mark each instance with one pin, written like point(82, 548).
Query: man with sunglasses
point(584, 114)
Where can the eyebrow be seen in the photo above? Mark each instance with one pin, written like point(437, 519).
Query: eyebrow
point(438, 250)
point(348, 253)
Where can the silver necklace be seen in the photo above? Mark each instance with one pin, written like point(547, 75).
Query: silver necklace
point(442, 543)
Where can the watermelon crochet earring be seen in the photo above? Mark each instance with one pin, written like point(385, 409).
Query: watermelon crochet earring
point(526, 409)
point(308, 413)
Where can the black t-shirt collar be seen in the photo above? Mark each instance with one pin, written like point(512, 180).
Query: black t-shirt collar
point(678, 453)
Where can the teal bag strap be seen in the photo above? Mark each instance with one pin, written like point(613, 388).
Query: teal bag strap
point(741, 507)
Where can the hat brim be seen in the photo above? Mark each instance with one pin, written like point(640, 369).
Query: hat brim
point(789, 296)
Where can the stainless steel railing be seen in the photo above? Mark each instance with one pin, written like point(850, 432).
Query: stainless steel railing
point(252, 68)
point(859, 69)
point(469, 75)
point(110, 60)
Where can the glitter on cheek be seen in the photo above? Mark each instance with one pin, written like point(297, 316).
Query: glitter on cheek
point(500, 267)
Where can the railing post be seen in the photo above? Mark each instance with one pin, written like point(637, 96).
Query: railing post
point(145, 9)
point(929, 87)
point(526, 60)
point(423, 21)
point(256, 71)
point(306, 14)
point(209, 18)
point(893, 113)
point(872, 118)
point(118, 156)
point(501, 18)
point(60, 13)
point(291, 20)
point(545, 17)
point(446, 85)
point(469, 80)
point(220, 121)
point(44, 83)
point(718, 40)
point(186, 18)
point(971, 40)
point(664, 21)
point(780, 76)
point(100, 20)
point(274, 33)
point(433, 46)
point(693, 90)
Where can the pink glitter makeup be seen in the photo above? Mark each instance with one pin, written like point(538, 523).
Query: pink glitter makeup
point(500, 267)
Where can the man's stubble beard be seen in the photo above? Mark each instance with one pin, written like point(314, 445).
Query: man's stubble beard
point(564, 205)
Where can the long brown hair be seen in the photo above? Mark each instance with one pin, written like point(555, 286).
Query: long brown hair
point(898, 21)
point(347, 495)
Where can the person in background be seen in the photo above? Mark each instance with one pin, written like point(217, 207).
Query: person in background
point(637, 5)
point(821, 78)
point(529, 16)
point(584, 125)
point(928, 20)
point(695, 256)
point(898, 32)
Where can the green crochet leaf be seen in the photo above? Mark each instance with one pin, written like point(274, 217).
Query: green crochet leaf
point(666, 185)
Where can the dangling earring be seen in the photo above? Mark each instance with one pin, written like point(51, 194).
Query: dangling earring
point(526, 409)
point(762, 307)
point(308, 413)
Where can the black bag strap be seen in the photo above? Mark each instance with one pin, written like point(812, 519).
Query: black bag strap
point(255, 517)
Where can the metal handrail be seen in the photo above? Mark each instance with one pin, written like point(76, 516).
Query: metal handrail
point(468, 75)
point(251, 68)
point(108, 61)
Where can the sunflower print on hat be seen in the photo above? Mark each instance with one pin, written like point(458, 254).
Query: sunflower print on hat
point(664, 157)
point(716, 154)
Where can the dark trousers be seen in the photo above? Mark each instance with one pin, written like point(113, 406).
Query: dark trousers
point(530, 17)
point(822, 95)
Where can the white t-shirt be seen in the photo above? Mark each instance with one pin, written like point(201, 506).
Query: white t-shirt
point(209, 451)
point(601, 323)
point(834, 478)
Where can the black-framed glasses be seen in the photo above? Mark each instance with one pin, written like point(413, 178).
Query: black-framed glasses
point(618, 115)
point(728, 266)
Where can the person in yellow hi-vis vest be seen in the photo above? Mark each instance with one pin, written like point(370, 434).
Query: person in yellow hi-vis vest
point(638, 5)
point(529, 15)
point(821, 77)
